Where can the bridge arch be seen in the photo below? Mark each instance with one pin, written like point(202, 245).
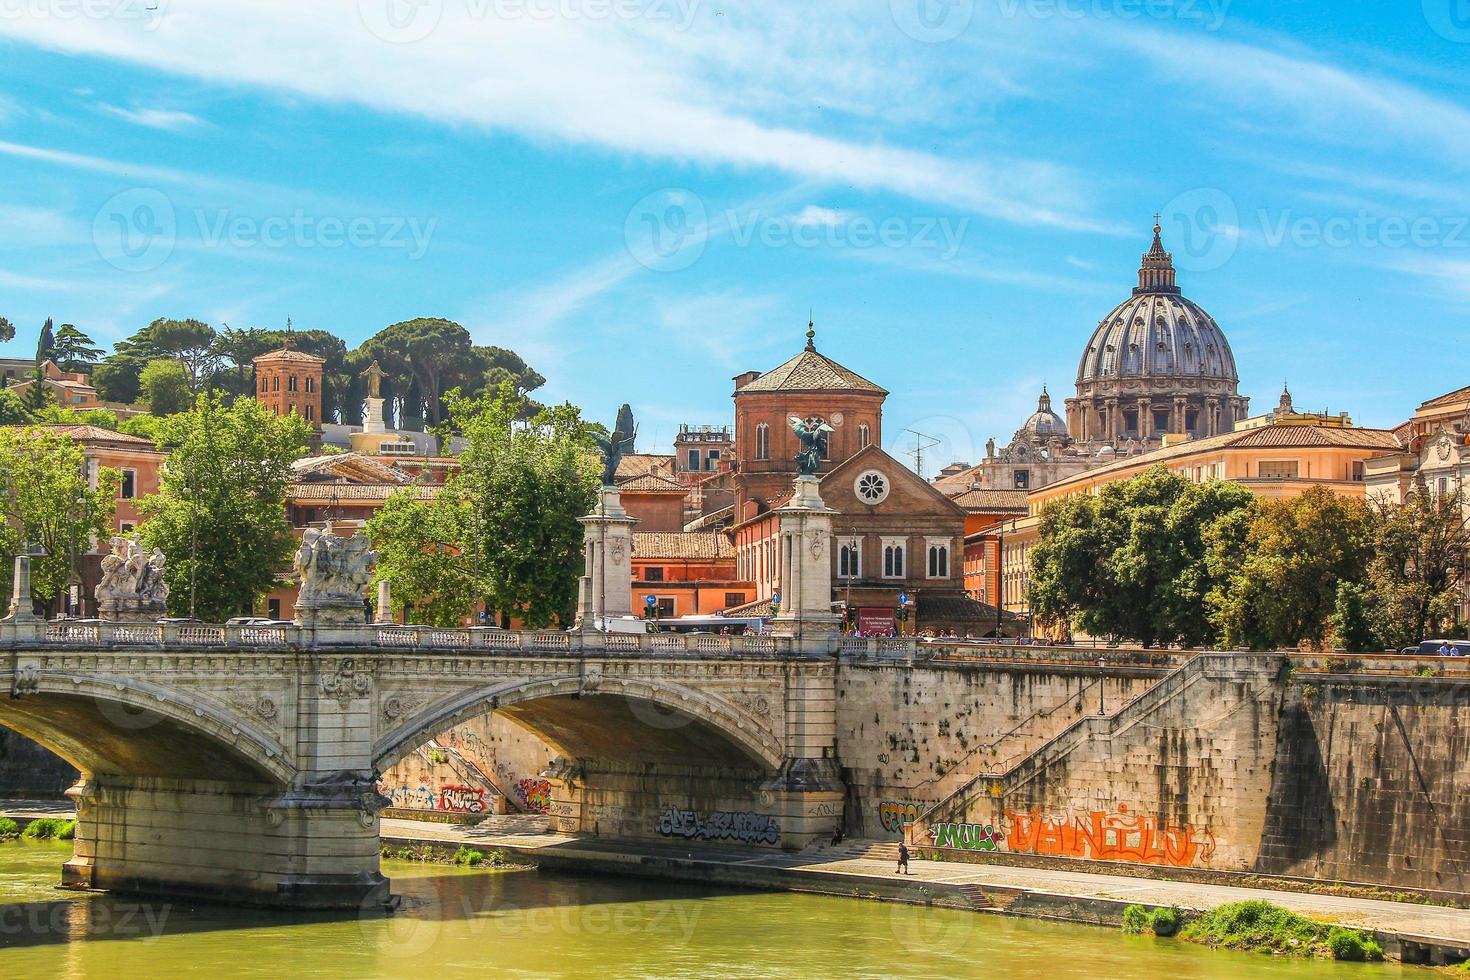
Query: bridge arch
point(643, 719)
point(101, 725)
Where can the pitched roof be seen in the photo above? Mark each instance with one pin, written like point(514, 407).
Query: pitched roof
point(636, 464)
point(94, 433)
point(811, 371)
point(652, 483)
point(760, 607)
point(981, 501)
point(355, 467)
point(290, 354)
point(704, 545)
point(358, 491)
point(958, 607)
point(1451, 398)
point(1308, 436)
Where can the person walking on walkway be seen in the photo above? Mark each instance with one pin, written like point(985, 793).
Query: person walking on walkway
point(903, 859)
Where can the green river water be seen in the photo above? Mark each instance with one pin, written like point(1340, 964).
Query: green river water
point(465, 923)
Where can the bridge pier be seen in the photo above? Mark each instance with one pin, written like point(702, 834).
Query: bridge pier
point(315, 846)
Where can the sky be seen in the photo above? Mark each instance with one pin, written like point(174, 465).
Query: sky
point(645, 198)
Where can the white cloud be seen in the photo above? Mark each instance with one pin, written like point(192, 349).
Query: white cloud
point(813, 216)
point(171, 120)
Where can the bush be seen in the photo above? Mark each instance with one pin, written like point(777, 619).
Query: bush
point(1135, 919)
point(468, 858)
point(1160, 922)
point(48, 828)
point(1263, 927)
point(68, 831)
point(1350, 944)
point(8, 828)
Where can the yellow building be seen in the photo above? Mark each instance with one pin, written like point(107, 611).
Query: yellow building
point(1279, 459)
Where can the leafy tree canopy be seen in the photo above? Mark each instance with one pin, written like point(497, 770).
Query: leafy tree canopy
point(220, 513)
point(165, 386)
point(421, 554)
point(73, 350)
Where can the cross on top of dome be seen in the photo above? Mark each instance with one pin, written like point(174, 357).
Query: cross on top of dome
point(1156, 274)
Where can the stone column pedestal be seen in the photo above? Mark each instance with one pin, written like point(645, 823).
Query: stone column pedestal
point(805, 541)
point(607, 536)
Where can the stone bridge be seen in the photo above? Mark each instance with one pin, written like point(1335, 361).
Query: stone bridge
point(241, 762)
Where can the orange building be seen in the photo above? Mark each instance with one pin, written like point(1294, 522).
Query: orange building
point(71, 389)
point(658, 502)
point(984, 511)
point(288, 380)
point(688, 573)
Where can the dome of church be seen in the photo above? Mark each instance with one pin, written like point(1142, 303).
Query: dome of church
point(1157, 333)
point(1044, 424)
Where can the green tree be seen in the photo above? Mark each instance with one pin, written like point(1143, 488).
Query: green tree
point(48, 502)
point(1350, 619)
point(165, 386)
point(73, 350)
point(192, 342)
point(57, 415)
point(1297, 551)
point(422, 555)
point(46, 341)
point(1417, 575)
point(525, 484)
point(1132, 561)
point(220, 512)
point(12, 410)
point(37, 396)
point(7, 330)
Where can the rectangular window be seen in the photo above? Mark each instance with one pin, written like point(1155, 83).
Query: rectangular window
point(938, 561)
point(665, 607)
point(655, 574)
point(126, 527)
point(733, 599)
point(711, 458)
point(1277, 469)
point(1357, 470)
point(694, 459)
point(129, 488)
point(1023, 480)
point(273, 608)
point(893, 559)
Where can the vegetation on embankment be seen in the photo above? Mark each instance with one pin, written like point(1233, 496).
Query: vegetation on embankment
point(42, 828)
point(466, 857)
point(1257, 926)
point(8, 828)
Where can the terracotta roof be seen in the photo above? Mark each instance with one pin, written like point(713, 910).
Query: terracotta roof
point(982, 501)
point(95, 433)
point(290, 354)
point(811, 371)
point(352, 466)
point(357, 491)
point(652, 483)
point(637, 464)
point(1307, 436)
point(1451, 398)
point(957, 607)
point(707, 545)
point(760, 607)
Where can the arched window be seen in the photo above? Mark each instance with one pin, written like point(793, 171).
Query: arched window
point(893, 559)
point(864, 437)
point(763, 441)
point(311, 384)
point(939, 561)
point(264, 385)
point(276, 383)
point(310, 413)
point(849, 560)
point(291, 383)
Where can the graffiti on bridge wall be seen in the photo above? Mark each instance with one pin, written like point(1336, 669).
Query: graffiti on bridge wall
point(462, 799)
point(1103, 836)
point(749, 828)
point(534, 794)
point(965, 836)
point(896, 816)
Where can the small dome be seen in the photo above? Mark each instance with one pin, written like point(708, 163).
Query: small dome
point(1045, 424)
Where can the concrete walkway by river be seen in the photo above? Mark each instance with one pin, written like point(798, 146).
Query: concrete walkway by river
point(1429, 924)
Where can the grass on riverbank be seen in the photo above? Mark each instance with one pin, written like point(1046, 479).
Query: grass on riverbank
point(465, 857)
point(8, 828)
point(42, 828)
point(1262, 927)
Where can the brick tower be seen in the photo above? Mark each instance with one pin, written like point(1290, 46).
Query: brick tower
point(288, 380)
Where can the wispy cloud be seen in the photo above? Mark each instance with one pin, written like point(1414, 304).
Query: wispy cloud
point(171, 120)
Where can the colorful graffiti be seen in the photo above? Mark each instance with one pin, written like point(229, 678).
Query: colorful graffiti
point(896, 817)
point(534, 794)
point(965, 836)
point(462, 799)
point(1103, 836)
point(748, 828)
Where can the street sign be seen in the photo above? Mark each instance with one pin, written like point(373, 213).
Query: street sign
point(903, 598)
point(650, 601)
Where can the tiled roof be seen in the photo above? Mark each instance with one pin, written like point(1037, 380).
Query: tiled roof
point(979, 501)
point(357, 491)
point(760, 607)
point(705, 545)
point(290, 354)
point(96, 433)
point(956, 607)
point(1309, 436)
point(350, 465)
point(637, 464)
point(811, 371)
point(1451, 398)
point(652, 483)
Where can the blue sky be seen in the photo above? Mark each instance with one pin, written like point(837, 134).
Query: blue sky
point(646, 197)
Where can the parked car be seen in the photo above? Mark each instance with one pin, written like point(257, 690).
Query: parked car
point(1430, 648)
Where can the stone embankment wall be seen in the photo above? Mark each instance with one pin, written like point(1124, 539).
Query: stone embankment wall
point(910, 735)
point(1372, 781)
point(487, 765)
point(28, 771)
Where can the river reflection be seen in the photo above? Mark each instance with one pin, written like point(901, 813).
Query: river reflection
point(462, 923)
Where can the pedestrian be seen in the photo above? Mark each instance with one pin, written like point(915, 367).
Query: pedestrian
point(1455, 650)
point(1444, 649)
point(903, 859)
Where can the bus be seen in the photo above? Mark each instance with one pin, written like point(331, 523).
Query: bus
point(710, 624)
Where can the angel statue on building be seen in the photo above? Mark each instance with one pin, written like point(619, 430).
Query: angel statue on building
point(812, 433)
point(617, 445)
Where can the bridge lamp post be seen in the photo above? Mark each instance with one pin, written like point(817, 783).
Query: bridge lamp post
point(72, 578)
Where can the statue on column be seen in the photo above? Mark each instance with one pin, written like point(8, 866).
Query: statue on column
point(375, 376)
point(617, 445)
point(812, 434)
point(333, 572)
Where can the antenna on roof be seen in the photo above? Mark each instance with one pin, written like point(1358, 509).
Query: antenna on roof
point(922, 443)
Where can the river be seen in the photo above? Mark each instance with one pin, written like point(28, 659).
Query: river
point(462, 923)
